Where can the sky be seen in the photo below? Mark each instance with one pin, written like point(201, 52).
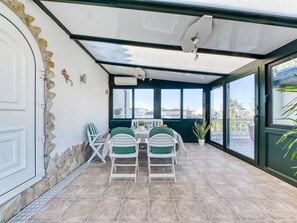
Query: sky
point(170, 98)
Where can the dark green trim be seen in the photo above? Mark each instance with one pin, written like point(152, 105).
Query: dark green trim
point(182, 126)
point(269, 95)
point(192, 10)
point(160, 68)
point(163, 46)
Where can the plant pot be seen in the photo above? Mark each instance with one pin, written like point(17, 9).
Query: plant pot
point(141, 127)
point(201, 142)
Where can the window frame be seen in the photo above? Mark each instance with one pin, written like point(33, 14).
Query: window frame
point(223, 119)
point(112, 103)
point(269, 95)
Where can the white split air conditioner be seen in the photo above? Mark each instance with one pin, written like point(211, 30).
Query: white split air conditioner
point(125, 80)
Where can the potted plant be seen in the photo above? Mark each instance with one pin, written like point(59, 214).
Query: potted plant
point(200, 130)
point(141, 125)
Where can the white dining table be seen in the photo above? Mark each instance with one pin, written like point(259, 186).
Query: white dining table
point(144, 134)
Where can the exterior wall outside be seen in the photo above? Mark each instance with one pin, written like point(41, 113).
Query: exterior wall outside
point(68, 109)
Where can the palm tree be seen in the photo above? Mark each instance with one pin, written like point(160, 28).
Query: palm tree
point(235, 107)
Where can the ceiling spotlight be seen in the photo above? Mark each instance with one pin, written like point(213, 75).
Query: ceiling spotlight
point(196, 56)
point(195, 40)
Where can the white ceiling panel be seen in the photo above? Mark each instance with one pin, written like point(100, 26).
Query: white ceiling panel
point(164, 58)
point(270, 7)
point(163, 75)
point(162, 28)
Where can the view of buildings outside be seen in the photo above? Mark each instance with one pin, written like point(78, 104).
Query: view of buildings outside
point(170, 103)
point(193, 104)
point(144, 103)
point(122, 103)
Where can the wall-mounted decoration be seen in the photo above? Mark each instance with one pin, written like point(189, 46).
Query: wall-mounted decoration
point(83, 78)
point(67, 77)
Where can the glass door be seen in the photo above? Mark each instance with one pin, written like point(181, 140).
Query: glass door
point(241, 116)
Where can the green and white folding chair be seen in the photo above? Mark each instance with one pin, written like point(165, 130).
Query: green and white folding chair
point(161, 145)
point(96, 141)
point(123, 145)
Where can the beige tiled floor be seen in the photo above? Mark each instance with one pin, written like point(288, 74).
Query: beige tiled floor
point(212, 186)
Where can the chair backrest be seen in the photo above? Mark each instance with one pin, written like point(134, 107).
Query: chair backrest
point(161, 143)
point(92, 131)
point(121, 130)
point(148, 122)
point(161, 130)
point(122, 141)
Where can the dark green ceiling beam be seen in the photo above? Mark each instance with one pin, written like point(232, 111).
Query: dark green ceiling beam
point(159, 68)
point(162, 46)
point(192, 10)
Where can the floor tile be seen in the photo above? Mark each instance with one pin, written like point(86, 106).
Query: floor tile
point(92, 191)
point(160, 191)
point(52, 210)
point(218, 210)
point(78, 211)
point(70, 192)
point(106, 210)
point(212, 186)
point(137, 191)
point(134, 210)
point(115, 192)
point(182, 191)
point(162, 210)
point(191, 210)
point(247, 210)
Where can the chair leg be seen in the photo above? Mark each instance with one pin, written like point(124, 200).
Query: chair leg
point(112, 161)
point(173, 169)
point(136, 168)
point(137, 163)
point(149, 168)
point(90, 159)
point(114, 165)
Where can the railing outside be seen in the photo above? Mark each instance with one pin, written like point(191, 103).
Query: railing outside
point(239, 129)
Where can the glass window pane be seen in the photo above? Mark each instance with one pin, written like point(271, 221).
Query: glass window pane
point(192, 103)
point(240, 114)
point(145, 56)
point(170, 103)
point(122, 103)
point(216, 115)
point(282, 76)
point(144, 103)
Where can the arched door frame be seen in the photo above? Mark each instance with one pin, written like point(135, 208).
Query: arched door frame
point(40, 102)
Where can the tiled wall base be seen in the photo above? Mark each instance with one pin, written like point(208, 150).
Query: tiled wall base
point(26, 213)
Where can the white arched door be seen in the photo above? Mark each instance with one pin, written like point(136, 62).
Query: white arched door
point(17, 109)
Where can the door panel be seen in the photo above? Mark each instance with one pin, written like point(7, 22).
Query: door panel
point(241, 116)
point(17, 108)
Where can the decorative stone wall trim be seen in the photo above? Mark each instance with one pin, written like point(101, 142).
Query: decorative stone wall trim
point(57, 166)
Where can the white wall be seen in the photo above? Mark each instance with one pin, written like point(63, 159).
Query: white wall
point(76, 106)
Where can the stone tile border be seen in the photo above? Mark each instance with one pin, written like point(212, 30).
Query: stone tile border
point(31, 209)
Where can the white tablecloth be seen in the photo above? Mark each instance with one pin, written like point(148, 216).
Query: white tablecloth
point(144, 134)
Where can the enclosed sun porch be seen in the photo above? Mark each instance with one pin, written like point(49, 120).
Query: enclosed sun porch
point(148, 111)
